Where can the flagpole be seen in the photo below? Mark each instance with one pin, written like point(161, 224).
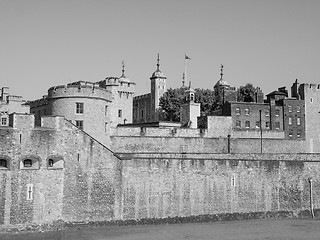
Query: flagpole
point(185, 68)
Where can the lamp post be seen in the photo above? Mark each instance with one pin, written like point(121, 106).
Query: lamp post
point(260, 111)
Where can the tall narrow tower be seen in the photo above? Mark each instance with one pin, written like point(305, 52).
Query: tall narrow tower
point(190, 111)
point(158, 88)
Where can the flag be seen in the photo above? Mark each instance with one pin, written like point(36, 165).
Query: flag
point(186, 57)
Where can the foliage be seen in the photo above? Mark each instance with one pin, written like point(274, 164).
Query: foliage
point(171, 101)
point(246, 93)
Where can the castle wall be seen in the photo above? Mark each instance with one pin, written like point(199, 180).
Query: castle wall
point(310, 93)
point(200, 144)
point(81, 186)
point(170, 185)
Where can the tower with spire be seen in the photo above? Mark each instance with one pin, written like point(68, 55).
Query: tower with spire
point(158, 88)
point(223, 91)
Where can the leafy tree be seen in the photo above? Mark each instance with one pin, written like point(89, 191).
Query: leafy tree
point(171, 101)
point(246, 93)
point(207, 99)
point(170, 104)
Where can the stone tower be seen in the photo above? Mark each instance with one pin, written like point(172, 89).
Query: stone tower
point(158, 88)
point(190, 111)
point(223, 91)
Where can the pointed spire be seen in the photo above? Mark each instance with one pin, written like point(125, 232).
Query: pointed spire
point(183, 78)
point(158, 63)
point(221, 71)
point(123, 70)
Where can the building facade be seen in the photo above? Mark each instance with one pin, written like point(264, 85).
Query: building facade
point(11, 104)
point(146, 106)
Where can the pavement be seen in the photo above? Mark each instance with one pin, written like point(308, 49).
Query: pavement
point(262, 229)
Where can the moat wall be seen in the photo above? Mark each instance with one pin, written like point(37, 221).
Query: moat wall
point(161, 187)
point(95, 184)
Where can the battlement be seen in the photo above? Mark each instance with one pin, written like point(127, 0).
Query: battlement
point(80, 89)
point(310, 86)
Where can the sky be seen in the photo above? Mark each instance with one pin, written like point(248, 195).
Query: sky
point(268, 43)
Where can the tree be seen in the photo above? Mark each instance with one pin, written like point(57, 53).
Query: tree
point(207, 99)
point(171, 101)
point(246, 93)
point(170, 104)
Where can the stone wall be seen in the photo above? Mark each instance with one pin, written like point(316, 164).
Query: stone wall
point(82, 188)
point(161, 186)
point(176, 143)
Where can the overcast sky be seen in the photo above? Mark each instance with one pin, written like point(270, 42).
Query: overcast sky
point(267, 43)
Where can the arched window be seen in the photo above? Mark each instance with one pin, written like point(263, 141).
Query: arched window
point(30, 162)
point(55, 162)
point(3, 163)
point(27, 163)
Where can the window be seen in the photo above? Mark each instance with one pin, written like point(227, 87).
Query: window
point(4, 121)
point(298, 133)
point(290, 120)
point(267, 113)
point(3, 163)
point(298, 109)
point(289, 108)
point(30, 163)
point(50, 163)
point(29, 191)
point(79, 108)
point(277, 112)
point(277, 125)
point(247, 111)
point(290, 133)
point(257, 124)
point(247, 124)
point(298, 121)
point(119, 113)
point(79, 124)
point(311, 100)
point(267, 124)
point(238, 111)
point(238, 124)
point(141, 113)
point(55, 162)
point(27, 163)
